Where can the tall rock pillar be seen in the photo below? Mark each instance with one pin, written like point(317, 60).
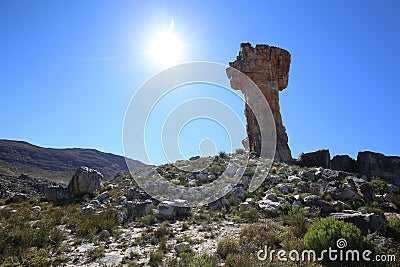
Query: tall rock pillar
point(268, 67)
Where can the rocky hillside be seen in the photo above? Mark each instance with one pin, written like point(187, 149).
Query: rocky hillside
point(17, 157)
point(115, 223)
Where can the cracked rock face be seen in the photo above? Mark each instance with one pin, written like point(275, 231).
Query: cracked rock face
point(268, 67)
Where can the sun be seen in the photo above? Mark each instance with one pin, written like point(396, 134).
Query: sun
point(166, 48)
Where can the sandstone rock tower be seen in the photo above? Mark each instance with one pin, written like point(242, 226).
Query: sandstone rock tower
point(268, 67)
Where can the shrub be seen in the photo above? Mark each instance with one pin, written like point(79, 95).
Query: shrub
point(97, 253)
point(163, 231)
point(379, 186)
point(394, 228)
point(238, 260)
point(227, 246)
point(193, 260)
point(88, 225)
point(36, 259)
point(148, 219)
point(297, 219)
point(256, 236)
point(327, 231)
point(249, 215)
point(156, 258)
point(223, 155)
point(240, 151)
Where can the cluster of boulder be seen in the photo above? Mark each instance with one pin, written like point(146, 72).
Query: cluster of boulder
point(87, 184)
point(85, 181)
point(368, 163)
point(332, 192)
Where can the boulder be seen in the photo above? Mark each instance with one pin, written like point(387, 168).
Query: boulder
point(271, 203)
point(18, 197)
point(376, 164)
point(340, 191)
point(319, 158)
point(318, 202)
point(310, 176)
point(238, 192)
point(343, 163)
point(367, 192)
point(173, 209)
point(104, 234)
point(284, 188)
point(103, 197)
point(219, 203)
point(121, 217)
point(139, 208)
point(303, 187)
point(318, 187)
point(332, 175)
point(194, 158)
point(293, 179)
point(366, 222)
point(87, 208)
point(53, 193)
point(85, 181)
point(182, 247)
point(136, 194)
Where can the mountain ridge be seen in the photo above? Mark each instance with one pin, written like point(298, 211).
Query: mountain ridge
point(58, 164)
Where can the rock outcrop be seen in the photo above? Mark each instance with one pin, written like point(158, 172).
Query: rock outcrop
point(343, 163)
point(319, 158)
point(268, 67)
point(366, 222)
point(85, 181)
point(376, 164)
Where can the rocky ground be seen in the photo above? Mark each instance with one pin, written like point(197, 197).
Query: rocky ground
point(110, 223)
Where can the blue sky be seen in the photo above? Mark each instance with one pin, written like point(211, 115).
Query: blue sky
point(69, 68)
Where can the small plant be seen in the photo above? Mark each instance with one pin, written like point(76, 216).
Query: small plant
point(249, 215)
point(97, 253)
point(297, 219)
point(240, 151)
point(156, 258)
point(162, 245)
point(222, 155)
point(379, 186)
point(256, 236)
point(185, 226)
point(227, 246)
point(239, 260)
point(148, 219)
point(394, 228)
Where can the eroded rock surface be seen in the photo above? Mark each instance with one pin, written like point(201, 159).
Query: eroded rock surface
point(268, 67)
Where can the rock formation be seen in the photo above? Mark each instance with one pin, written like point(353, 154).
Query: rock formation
point(377, 164)
point(318, 158)
point(268, 67)
point(85, 181)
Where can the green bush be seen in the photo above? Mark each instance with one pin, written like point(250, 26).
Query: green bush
point(256, 236)
point(327, 231)
point(148, 219)
point(379, 186)
point(238, 260)
point(88, 225)
point(249, 215)
point(156, 258)
point(297, 219)
point(227, 246)
point(97, 253)
point(394, 228)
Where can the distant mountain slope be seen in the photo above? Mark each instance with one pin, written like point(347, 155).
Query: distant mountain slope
point(17, 157)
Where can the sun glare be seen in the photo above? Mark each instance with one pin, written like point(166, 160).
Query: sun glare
point(166, 48)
